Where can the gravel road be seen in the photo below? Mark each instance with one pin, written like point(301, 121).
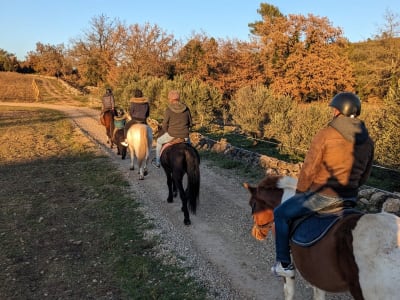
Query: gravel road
point(217, 248)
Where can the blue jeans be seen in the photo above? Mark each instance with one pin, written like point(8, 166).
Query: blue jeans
point(165, 138)
point(296, 206)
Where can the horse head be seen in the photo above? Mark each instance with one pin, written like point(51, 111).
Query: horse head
point(264, 197)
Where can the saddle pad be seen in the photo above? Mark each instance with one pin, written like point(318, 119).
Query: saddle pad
point(315, 226)
point(173, 142)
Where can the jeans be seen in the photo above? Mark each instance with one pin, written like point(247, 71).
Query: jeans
point(296, 206)
point(165, 138)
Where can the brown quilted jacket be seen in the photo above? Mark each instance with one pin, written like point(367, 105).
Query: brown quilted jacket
point(339, 160)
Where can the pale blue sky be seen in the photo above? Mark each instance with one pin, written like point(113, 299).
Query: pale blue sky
point(23, 23)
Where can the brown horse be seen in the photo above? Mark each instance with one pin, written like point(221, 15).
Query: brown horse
point(360, 253)
point(107, 120)
point(117, 138)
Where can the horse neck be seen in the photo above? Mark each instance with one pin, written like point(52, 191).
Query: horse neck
point(288, 193)
point(288, 184)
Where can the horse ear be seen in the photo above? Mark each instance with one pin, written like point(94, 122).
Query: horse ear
point(250, 188)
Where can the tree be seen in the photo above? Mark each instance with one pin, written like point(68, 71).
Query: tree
point(98, 54)
point(147, 51)
point(303, 56)
point(8, 61)
point(377, 61)
point(48, 59)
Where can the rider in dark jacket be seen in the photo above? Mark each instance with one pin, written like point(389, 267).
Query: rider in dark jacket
point(107, 103)
point(176, 124)
point(139, 111)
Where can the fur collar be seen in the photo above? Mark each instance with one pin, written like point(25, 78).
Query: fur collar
point(139, 100)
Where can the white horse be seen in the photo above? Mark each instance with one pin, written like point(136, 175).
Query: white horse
point(140, 140)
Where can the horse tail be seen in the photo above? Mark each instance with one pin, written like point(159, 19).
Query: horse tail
point(193, 177)
point(141, 145)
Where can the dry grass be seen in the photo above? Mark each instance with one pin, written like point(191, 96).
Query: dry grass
point(68, 227)
point(16, 87)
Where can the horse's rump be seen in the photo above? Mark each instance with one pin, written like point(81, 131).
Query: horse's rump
point(139, 140)
point(376, 242)
point(180, 159)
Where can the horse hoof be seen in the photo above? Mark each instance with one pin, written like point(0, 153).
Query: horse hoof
point(187, 222)
point(141, 177)
point(170, 200)
point(132, 168)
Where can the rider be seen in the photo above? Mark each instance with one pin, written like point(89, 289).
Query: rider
point(108, 103)
point(120, 119)
point(139, 111)
point(338, 162)
point(176, 123)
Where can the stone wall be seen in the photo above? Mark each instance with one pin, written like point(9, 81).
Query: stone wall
point(370, 199)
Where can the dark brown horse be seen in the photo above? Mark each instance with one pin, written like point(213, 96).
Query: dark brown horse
point(177, 160)
point(360, 253)
point(117, 138)
point(107, 120)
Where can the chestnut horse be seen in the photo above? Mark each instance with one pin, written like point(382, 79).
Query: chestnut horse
point(177, 160)
point(140, 140)
point(107, 120)
point(360, 253)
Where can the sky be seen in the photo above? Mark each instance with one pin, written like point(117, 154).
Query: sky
point(24, 23)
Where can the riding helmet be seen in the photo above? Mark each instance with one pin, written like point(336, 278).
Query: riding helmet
point(347, 103)
point(119, 111)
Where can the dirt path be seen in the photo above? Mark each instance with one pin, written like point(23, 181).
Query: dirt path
point(218, 245)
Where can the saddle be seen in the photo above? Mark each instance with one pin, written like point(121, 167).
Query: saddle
point(308, 230)
point(173, 142)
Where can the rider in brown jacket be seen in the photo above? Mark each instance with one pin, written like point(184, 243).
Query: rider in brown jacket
point(338, 163)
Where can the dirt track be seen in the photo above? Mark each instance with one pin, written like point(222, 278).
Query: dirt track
point(218, 245)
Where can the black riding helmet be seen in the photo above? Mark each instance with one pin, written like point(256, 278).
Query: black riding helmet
point(347, 103)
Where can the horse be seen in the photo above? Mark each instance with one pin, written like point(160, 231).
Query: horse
point(140, 140)
point(360, 253)
point(177, 160)
point(107, 120)
point(117, 138)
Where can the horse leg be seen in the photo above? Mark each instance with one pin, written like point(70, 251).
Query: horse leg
point(132, 153)
point(288, 288)
point(174, 190)
point(182, 194)
point(318, 293)
point(170, 198)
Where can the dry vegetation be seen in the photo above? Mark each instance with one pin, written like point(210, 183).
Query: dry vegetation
point(15, 87)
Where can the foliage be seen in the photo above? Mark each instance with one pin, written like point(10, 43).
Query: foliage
point(8, 62)
point(303, 57)
point(253, 107)
point(384, 128)
point(49, 60)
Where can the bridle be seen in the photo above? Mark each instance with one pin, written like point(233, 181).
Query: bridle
point(269, 225)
